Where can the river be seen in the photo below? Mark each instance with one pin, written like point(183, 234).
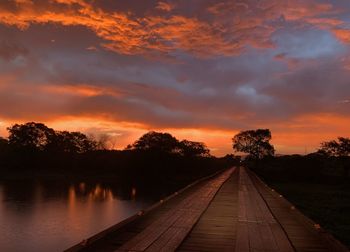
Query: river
point(54, 215)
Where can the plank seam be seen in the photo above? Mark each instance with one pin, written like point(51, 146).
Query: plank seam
point(206, 208)
point(277, 221)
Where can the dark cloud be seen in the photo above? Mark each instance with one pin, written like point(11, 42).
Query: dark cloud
point(9, 51)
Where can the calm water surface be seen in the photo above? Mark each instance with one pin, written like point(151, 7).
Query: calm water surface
point(52, 216)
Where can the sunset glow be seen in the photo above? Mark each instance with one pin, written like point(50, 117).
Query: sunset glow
point(201, 70)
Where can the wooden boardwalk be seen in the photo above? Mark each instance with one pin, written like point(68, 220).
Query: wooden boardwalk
point(231, 211)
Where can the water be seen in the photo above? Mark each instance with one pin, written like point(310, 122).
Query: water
point(54, 215)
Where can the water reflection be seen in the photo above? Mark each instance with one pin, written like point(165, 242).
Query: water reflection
point(53, 215)
point(96, 193)
point(133, 193)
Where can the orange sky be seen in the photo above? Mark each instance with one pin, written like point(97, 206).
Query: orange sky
point(200, 70)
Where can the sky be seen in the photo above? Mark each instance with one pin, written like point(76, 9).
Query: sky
point(199, 69)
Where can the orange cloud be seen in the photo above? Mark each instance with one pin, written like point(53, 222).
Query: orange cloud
point(325, 22)
point(125, 33)
point(23, 1)
point(343, 35)
point(306, 10)
point(80, 90)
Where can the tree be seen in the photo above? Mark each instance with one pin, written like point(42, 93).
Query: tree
point(190, 149)
point(31, 136)
point(74, 142)
point(157, 142)
point(37, 136)
point(82, 142)
point(254, 142)
point(3, 143)
point(105, 141)
point(339, 148)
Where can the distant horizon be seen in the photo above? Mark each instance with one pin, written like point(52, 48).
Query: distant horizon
point(181, 135)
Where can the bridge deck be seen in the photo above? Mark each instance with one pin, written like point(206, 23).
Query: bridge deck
point(232, 211)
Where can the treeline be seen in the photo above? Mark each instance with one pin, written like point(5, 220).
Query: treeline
point(37, 137)
point(330, 162)
point(33, 149)
point(34, 137)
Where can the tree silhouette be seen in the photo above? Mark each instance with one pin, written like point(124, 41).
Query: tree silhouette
point(166, 143)
point(3, 144)
point(37, 136)
point(157, 142)
point(31, 136)
point(190, 148)
point(105, 141)
point(338, 148)
point(254, 142)
point(74, 142)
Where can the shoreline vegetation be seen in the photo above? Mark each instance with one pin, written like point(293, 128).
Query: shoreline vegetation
point(34, 151)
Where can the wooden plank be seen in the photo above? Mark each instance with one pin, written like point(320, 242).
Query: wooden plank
point(242, 242)
point(267, 238)
point(167, 242)
point(242, 212)
point(255, 239)
point(264, 233)
point(177, 222)
point(299, 229)
point(188, 219)
point(216, 228)
point(282, 241)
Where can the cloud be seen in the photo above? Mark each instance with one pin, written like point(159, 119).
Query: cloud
point(291, 62)
point(124, 33)
point(10, 51)
point(224, 28)
point(343, 35)
point(164, 6)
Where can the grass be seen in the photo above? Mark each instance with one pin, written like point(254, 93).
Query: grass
point(326, 204)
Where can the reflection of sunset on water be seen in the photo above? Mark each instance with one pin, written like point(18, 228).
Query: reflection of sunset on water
point(59, 220)
point(100, 193)
point(133, 193)
point(96, 193)
point(82, 187)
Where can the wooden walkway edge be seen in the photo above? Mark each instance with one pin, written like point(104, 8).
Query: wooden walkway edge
point(304, 234)
point(263, 221)
point(230, 211)
point(168, 231)
point(91, 243)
